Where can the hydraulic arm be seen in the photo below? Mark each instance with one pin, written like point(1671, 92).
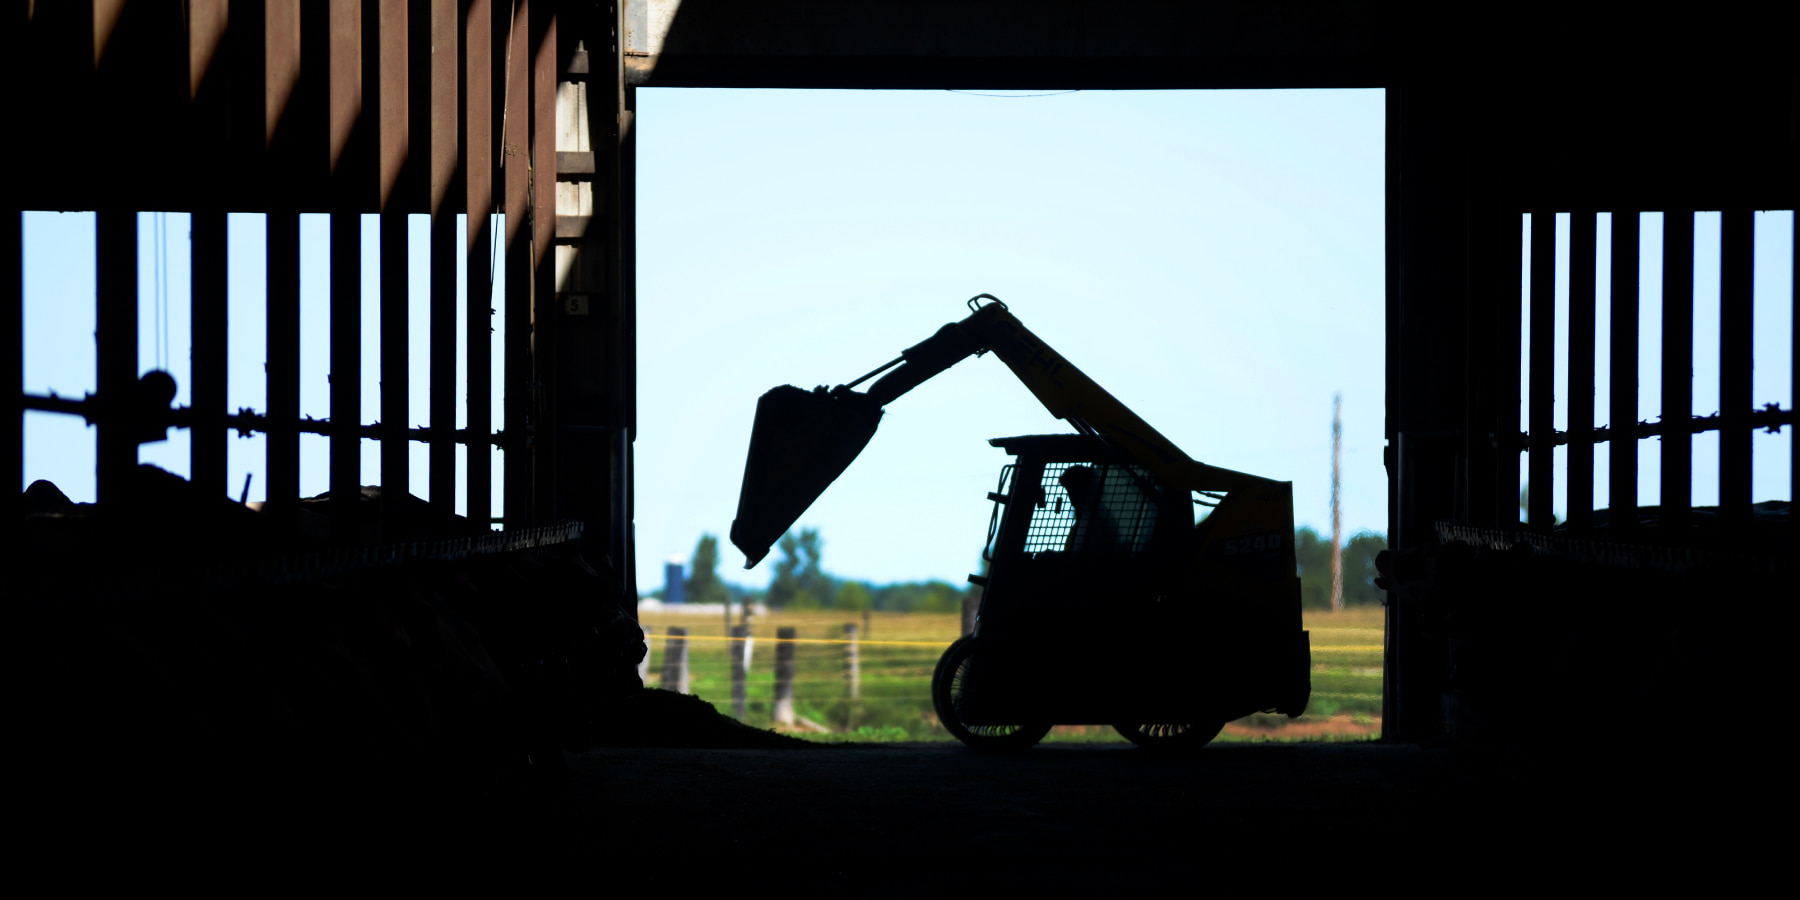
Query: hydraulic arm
point(803, 440)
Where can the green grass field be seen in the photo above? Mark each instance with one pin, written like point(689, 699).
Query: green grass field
point(898, 651)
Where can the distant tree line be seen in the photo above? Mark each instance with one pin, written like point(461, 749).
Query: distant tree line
point(800, 581)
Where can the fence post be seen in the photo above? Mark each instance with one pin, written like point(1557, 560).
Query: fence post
point(740, 667)
point(644, 664)
point(852, 668)
point(784, 677)
point(675, 665)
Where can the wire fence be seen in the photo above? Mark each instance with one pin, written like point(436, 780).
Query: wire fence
point(868, 677)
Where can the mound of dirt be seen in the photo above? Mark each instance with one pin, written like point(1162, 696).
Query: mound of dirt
point(658, 718)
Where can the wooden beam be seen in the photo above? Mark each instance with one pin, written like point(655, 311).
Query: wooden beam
point(1677, 366)
point(1542, 372)
point(477, 154)
point(1580, 391)
point(1736, 351)
point(396, 195)
point(435, 57)
point(1622, 405)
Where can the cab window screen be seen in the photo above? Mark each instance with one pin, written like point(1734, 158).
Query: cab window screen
point(1090, 508)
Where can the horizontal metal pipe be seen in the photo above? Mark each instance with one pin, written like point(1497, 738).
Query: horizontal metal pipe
point(1770, 417)
point(245, 421)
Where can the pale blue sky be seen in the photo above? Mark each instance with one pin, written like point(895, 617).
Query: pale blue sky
point(1213, 258)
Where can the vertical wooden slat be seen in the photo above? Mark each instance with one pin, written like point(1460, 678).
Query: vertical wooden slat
point(477, 155)
point(393, 127)
point(16, 37)
point(514, 80)
point(285, 104)
point(208, 326)
point(624, 498)
point(1541, 459)
point(15, 51)
point(210, 164)
point(1582, 240)
point(246, 86)
point(1507, 341)
point(215, 173)
point(348, 193)
point(12, 336)
point(1677, 366)
point(544, 314)
point(1736, 347)
point(435, 64)
point(283, 355)
point(1622, 412)
point(116, 353)
point(293, 104)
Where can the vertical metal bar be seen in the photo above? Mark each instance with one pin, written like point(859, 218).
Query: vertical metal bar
point(544, 324)
point(435, 63)
point(1622, 413)
point(208, 326)
point(12, 342)
point(1736, 347)
point(1543, 369)
point(347, 157)
point(1507, 342)
point(116, 352)
point(1582, 247)
point(393, 126)
point(515, 168)
point(477, 155)
point(1677, 366)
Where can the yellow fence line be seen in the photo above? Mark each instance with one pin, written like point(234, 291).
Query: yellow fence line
point(1346, 648)
point(713, 637)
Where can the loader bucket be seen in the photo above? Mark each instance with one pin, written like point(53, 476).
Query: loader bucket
point(801, 442)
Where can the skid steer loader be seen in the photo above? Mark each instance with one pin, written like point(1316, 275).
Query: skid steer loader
point(1093, 540)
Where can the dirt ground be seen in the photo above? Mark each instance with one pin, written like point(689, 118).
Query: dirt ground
point(906, 819)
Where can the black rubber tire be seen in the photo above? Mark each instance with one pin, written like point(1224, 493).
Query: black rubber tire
point(947, 684)
point(1174, 738)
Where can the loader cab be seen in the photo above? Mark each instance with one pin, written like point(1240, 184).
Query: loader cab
point(1076, 531)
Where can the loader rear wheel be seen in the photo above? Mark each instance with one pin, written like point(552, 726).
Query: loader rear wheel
point(1180, 738)
point(949, 692)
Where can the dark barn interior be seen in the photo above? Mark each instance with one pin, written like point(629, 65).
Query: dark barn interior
point(236, 648)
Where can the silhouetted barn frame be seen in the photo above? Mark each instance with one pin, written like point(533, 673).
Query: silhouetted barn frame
point(453, 106)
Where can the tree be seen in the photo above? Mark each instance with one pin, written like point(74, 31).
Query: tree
point(784, 584)
point(811, 578)
point(854, 596)
point(703, 584)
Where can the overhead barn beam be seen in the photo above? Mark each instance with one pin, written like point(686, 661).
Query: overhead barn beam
point(925, 44)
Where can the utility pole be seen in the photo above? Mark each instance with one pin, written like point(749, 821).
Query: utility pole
point(1337, 518)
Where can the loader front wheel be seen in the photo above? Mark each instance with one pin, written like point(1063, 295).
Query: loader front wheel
point(949, 692)
point(1174, 738)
